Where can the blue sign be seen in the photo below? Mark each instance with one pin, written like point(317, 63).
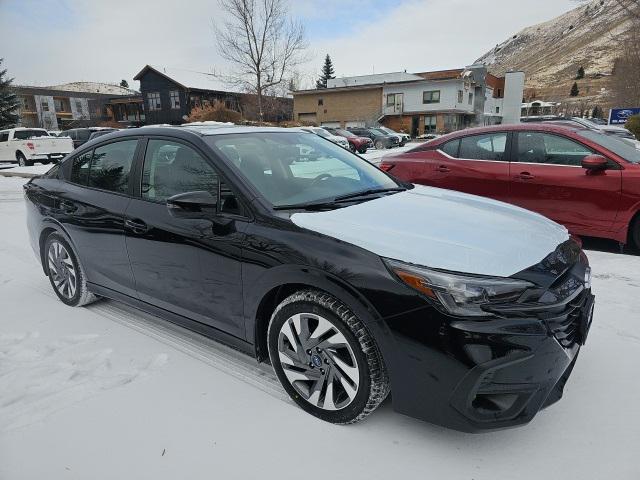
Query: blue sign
point(619, 116)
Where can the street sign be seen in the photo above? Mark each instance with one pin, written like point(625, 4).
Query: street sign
point(619, 116)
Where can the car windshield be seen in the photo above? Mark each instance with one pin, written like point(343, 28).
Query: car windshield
point(614, 144)
point(379, 130)
point(388, 130)
point(26, 134)
point(294, 168)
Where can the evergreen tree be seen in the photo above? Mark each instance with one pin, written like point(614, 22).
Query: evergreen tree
point(574, 90)
point(8, 100)
point(597, 112)
point(124, 84)
point(327, 73)
point(580, 74)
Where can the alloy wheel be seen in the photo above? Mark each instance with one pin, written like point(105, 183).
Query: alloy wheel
point(63, 272)
point(318, 361)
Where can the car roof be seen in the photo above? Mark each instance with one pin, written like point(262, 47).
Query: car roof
point(552, 127)
point(190, 129)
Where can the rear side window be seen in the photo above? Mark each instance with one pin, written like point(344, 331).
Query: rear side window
point(484, 147)
point(111, 165)
point(26, 134)
point(4, 136)
point(451, 148)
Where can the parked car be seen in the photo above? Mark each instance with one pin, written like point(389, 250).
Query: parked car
point(610, 129)
point(582, 178)
point(380, 139)
point(469, 311)
point(81, 135)
point(356, 143)
point(337, 139)
point(28, 145)
point(101, 132)
point(403, 138)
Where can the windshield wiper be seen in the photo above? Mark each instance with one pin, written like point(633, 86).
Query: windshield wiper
point(335, 202)
point(365, 193)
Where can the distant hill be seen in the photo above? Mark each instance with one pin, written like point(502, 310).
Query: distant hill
point(551, 53)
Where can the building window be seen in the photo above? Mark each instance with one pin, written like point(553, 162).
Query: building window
point(174, 99)
point(320, 102)
point(429, 123)
point(499, 93)
point(59, 104)
point(432, 96)
point(460, 96)
point(153, 100)
point(79, 106)
point(470, 98)
point(497, 109)
point(44, 105)
point(391, 100)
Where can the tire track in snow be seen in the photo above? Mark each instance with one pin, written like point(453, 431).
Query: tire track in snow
point(232, 362)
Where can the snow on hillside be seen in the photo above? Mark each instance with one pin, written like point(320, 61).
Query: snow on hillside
point(587, 36)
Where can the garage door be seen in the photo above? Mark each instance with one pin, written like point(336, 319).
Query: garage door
point(307, 117)
point(354, 124)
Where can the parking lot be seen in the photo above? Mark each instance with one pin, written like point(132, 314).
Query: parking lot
point(109, 392)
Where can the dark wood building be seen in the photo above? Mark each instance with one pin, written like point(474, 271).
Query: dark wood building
point(169, 94)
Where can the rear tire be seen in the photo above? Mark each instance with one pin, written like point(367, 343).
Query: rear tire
point(22, 160)
point(65, 272)
point(334, 369)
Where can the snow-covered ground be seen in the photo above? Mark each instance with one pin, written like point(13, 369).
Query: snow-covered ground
point(107, 392)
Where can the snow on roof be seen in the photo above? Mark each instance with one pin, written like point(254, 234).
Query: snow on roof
point(94, 87)
point(197, 79)
point(372, 79)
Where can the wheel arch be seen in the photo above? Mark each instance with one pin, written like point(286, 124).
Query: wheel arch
point(304, 278)
point(49, 227)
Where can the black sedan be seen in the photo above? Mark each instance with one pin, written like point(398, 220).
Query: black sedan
point(350, 283)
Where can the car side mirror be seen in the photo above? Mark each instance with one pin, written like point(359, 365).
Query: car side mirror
point(197, 204)
point(594, 163)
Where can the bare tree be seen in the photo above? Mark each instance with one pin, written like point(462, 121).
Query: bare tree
point(262, 43)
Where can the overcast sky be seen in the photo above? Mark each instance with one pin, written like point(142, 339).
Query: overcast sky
point(56, 41)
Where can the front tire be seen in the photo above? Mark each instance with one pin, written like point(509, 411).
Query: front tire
point(325, 358)
point(352, 148)
point(362, 150)
point(379, 145)
point(65, 272)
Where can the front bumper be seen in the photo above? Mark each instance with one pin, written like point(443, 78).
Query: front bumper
point(487, 373)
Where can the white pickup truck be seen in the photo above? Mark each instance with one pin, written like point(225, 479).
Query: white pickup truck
point(29, 145)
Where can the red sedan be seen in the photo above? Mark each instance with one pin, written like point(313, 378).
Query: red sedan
point(583, 179)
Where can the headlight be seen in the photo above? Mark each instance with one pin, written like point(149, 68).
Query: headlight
point(459, 293)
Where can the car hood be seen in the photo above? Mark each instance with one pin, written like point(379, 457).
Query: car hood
point(443, 229)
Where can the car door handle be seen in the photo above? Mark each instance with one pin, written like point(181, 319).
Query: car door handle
point(136, 226)
point(68, 207)
point(443, 169)
point(525, 176)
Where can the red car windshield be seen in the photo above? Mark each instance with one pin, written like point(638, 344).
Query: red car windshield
point(618, 146)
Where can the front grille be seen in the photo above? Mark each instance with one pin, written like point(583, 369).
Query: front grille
point(566, 326)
